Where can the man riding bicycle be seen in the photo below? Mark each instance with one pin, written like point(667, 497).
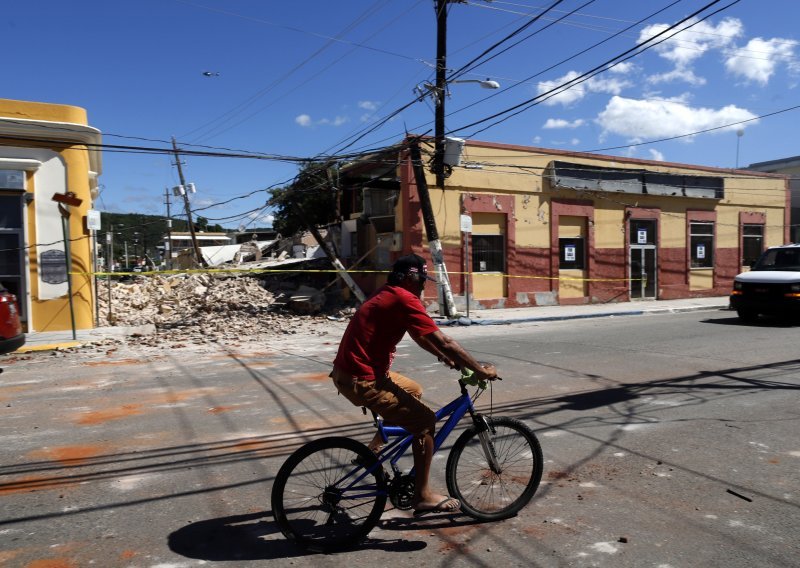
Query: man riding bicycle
point(361, 368)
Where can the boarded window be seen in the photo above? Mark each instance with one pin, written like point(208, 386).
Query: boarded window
point(752, 243)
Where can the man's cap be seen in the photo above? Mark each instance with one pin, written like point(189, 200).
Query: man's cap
point(412, 264)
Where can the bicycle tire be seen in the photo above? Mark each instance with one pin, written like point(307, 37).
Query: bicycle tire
point(305, 484)
point(484, 494)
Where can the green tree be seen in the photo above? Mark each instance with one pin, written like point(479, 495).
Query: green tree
point(310, 199)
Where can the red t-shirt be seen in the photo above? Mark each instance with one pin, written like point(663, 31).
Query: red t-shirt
point(369, 342)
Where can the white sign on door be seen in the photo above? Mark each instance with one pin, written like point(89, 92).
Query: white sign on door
point(569, 253)
point(701, 251)
point(641, 236)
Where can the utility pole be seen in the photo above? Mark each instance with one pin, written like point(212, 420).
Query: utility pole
point(441, 90)
point(168, 247)
point(447, 305)
point(109, 264)
point(337, 264)
point(198, 256)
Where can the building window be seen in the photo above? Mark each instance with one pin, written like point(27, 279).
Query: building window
point(488, 253)
point(752, 243)
point(571, 253)
point(701, 237)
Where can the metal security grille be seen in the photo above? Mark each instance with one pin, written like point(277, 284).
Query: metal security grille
point(752, 243)
point(488, 253)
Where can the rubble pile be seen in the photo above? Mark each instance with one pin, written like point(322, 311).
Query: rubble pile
point(208, 307)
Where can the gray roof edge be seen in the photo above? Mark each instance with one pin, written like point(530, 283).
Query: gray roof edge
point(780, 162)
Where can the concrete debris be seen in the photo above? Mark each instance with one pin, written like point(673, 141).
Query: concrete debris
point(306, 300)
point(197, 308)
point(248, 252)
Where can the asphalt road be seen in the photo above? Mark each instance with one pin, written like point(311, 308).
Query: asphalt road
point(669, 441)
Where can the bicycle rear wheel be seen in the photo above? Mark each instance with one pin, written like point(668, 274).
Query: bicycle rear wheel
point(324, 499)
point(490, 495)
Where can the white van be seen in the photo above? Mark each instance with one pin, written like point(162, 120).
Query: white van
point(772, 286)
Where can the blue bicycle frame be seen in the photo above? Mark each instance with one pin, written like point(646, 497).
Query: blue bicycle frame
point(396, 449)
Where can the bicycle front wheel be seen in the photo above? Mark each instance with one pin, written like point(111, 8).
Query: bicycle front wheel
point(493, 493)
point(324, 498)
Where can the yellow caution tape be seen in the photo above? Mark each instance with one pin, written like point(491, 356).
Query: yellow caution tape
point(298, 270)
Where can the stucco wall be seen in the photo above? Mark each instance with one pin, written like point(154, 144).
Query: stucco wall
point(59, 168)
point(499, 173)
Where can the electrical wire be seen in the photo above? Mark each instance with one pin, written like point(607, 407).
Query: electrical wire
point(474, 62)
point(517, 83)
point(606, 65)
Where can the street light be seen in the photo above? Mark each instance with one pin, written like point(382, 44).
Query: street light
point(486, 83)
point(428, 89)
point(739, 134)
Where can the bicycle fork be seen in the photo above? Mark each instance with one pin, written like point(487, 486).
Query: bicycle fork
point(484, 430)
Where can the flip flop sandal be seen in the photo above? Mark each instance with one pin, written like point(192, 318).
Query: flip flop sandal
point(440, 507)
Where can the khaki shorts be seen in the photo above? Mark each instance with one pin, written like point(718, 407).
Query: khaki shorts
point(395, 398)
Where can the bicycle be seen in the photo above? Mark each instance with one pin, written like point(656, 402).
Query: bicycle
point(331, 492)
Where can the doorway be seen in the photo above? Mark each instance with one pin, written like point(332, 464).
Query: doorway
point(643, 259)
point(12, 258)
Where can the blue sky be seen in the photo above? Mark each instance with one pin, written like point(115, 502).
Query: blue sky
point(298, 78)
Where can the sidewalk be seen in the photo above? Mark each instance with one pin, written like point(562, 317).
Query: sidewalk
point(45, 341)
point(554, 313)
point(50, 340)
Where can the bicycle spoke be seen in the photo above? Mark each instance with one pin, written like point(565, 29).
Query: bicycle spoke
point(489, 494)
point(325, 501)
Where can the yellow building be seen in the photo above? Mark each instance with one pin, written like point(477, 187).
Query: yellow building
point(789, 167)
point(47, 150)
point(556, 227)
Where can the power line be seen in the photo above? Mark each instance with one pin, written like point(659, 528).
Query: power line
point(220, 129)
point(574, 55)
point(238, 109)
point(608, 64)
point(520, 82)
point(474, 62)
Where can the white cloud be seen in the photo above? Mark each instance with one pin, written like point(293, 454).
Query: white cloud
point(622, 68)
point(338, 121)
point(537, 140)
point(677, 74)
point(612, 86)
point(686, 46)
point(647, 119)
point(573, 94)
point(656, 155)
point(758, 60)
point(561, 123)
point(305, 121)
point(260, 217)
point(368, 105)
point(575, 141)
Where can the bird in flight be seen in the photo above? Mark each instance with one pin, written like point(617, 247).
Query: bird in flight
point(210, 74)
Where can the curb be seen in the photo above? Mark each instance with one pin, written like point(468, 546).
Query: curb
point(469, 322)
point(47, 347)
point(88, 336)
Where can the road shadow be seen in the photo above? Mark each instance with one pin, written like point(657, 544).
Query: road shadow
point(763, 321)
point(245, 537)
point(595, 399)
